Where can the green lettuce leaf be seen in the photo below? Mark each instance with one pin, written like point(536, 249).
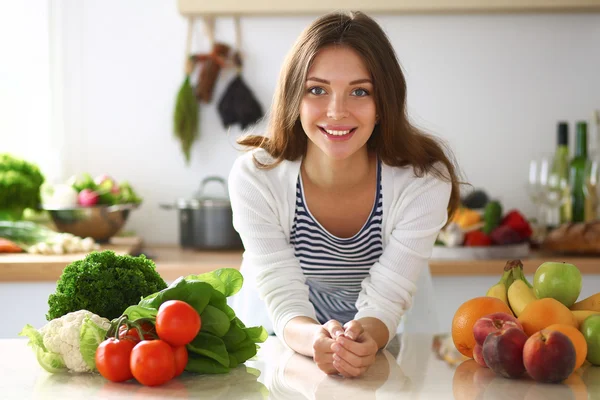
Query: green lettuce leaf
point(226, 280)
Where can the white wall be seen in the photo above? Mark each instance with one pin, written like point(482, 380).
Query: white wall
point(493, 86)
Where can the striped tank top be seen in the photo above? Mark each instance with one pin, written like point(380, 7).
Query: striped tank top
point(335, 267)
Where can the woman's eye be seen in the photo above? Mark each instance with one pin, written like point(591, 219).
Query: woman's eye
point(316, 90)
point(361, 92)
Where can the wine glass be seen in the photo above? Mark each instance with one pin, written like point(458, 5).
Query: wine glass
point(535, 190)
point(548, 189)
point(555, 189)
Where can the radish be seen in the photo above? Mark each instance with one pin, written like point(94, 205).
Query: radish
point(87, 197)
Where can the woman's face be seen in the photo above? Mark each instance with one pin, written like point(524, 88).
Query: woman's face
point(337, 111)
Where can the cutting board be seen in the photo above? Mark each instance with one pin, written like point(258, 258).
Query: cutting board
point(39, 266)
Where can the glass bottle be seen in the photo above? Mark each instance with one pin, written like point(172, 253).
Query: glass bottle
point(577, 175)
point(559, 176)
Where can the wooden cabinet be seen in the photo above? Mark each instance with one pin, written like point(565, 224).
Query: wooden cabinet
point(288, 7)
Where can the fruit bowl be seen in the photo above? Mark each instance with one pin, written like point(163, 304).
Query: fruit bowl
point(99, 222)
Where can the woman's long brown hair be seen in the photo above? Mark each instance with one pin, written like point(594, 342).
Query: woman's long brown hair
point(394, 139)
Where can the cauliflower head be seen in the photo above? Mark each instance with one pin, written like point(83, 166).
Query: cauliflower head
point(69, 341)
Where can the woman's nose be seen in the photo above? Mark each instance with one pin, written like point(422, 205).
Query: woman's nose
point(337, 108)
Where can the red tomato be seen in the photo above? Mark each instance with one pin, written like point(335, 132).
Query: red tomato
point(112, 359)
point(181, 359)
point(177, 323)
point(152, 362)
point(132, 334)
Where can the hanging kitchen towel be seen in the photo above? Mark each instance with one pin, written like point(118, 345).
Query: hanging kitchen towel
point(238, 104)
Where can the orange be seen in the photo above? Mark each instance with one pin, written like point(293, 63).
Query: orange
point(576, 337)
point(542, 313)
point(465, 317)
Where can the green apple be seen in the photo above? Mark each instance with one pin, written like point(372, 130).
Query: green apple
point(590, 328)
point(560, 281)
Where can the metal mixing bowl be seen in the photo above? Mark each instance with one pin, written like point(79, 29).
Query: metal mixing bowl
point(98, 222)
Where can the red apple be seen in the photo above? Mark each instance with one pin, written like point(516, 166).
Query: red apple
point(493, 323)
point(503, 352)
point(549, 356)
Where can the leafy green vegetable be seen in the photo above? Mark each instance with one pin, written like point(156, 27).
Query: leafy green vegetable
point(204, 365)
point(20, 183)
point(228, 281)
point(185, 117)
point(223, 341)
point(214, 321)
point(195, 293)
point(210, 346)
point(26, 233)
point(109, 192)
point(104, 283)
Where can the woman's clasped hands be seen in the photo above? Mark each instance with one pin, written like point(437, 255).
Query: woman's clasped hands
point(347, 350)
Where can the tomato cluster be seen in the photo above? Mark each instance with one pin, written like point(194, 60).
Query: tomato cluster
point(157, 358)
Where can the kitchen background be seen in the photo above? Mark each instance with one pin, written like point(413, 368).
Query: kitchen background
point(493, 86)
point(92, 89)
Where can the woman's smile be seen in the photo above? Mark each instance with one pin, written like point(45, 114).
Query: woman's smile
point(337, 132)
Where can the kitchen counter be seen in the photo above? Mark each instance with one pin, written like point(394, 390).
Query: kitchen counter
point(173, 261)
point(408, 368)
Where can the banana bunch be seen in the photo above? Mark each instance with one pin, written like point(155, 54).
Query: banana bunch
point(520, 293)
point(515, 291)
point(513, 288)
point(500, 289)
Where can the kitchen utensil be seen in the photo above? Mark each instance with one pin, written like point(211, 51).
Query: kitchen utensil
point(99, 222)
point(205, 222)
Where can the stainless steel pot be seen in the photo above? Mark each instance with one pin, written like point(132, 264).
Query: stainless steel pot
point(205, 223)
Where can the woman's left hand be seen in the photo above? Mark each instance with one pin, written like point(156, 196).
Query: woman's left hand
point(354, 351)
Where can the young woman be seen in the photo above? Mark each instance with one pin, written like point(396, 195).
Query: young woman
point(338, 207)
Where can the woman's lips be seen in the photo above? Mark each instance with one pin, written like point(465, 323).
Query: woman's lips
point(338, 137)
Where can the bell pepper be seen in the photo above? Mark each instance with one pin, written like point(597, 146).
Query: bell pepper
point(466, 217)
point(515, 220)
point(477, 238)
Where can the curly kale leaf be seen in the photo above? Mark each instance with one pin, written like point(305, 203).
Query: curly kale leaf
point(104, 283)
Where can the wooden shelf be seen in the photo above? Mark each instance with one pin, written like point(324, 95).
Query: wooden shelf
point(287, 7)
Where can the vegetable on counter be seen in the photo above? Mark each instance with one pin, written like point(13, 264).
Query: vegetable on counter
point(492, 216)
point(68, 343)
point(85, 191)
point(39, 239)
point(6, 246)
point(59, 195)
point(104, 283)
point(20, 183)
point(223, 341)
point(185, 326)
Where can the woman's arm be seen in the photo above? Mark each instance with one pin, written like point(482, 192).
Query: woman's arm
point(269, 258)
point(419, 216)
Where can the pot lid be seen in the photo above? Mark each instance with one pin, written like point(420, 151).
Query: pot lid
point(200, 200)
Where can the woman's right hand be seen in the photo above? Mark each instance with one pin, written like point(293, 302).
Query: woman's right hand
point(323, 340)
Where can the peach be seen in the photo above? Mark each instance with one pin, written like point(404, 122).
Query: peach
point(493, 323)
point(478, 355)
point(503, 352)
point(549, 356)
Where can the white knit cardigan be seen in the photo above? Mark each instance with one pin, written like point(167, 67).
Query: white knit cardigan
point(274, 291)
